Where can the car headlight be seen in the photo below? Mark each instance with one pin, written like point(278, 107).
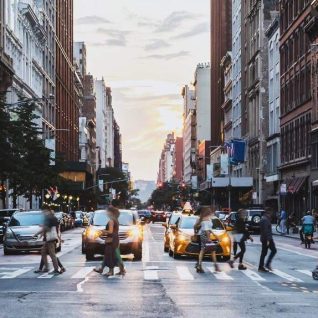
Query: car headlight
point(92, 234)
point(9, 235)
point(183, 237)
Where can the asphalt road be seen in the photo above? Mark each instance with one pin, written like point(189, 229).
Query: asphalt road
point(160, 286)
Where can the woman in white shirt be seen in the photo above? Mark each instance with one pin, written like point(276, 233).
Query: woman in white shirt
point(203, 228)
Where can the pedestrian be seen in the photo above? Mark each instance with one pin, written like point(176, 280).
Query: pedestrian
point(50, 236)
point(266, 238)
point(61, 267)
point(120, 263)
point(240, 234)
point(291, 223)
point(203, 229)
point(111, 243)
point(283, 220)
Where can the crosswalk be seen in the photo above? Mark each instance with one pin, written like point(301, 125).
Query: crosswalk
point(183, 273)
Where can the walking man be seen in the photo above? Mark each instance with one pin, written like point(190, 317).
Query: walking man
point(267, 241)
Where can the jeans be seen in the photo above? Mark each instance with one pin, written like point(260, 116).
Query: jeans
point(283, 226)
point(49, 248)
point(240, 255)
point(58, 262)
point(265, 246)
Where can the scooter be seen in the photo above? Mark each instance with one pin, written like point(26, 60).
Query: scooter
point(308, 230)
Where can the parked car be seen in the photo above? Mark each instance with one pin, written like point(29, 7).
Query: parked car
point(130, 234)
point(21, 230)
point(180, 238)
point(158, 216)
point(145, 215)
point(222, 215)
point(173, 219)
point(5, 216)
point(78, 218)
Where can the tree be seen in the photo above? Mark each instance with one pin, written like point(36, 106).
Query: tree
point(167, 195)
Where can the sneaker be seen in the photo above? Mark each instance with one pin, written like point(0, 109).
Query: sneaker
point(269, 268)
point(63, 270)
point(38, 271)
point(56, 272)
point(262, 270)
point(242, 267)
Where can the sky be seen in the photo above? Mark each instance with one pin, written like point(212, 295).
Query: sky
point(146, 50)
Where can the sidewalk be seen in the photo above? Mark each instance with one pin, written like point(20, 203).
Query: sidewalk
point(290, 235)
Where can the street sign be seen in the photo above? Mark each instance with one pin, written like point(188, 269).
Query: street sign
point(283, 188)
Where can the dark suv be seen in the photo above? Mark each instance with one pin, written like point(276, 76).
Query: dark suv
point(252, 219)
point(5, 216)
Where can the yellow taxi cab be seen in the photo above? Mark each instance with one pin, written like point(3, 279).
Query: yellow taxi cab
point(181, 232)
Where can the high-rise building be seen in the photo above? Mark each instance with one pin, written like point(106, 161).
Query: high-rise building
point(273, 139)
point(117, 147)
point(67, 141)
point(296, 104)
point(166, 162)
point(189, 133)
point(178, 160)
point(6, 70)
point(110, 120)
point(221, 39)
point(257, 16)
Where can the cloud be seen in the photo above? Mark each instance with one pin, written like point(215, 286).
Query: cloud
point(156, 44)
point(167, 57)
point(115, 37)
point(140, 20)
point(174, 20)
point(197, 29)
point(92, 19)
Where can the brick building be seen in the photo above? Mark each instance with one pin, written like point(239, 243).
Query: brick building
point(221, 24)
point(296, 104)
point(67, 144)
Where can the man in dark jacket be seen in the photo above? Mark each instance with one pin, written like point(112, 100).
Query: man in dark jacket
point(267, 241)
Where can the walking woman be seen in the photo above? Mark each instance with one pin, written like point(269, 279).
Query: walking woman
point(120, 263)
point(240, 234)
point(203, 228)
point(111, 243)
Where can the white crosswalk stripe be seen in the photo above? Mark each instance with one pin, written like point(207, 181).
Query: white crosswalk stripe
point(184, 273)
point(253, 275)
point(305, 271)
point(286, 276)
point(220, 275)
point(9, 274)
point(151, 273)
point(47, 275)
point(83, 272)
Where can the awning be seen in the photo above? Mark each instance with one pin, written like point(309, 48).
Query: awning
point(315, 183)
point(294, 185)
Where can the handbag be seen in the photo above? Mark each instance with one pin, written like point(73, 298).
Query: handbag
point(51, 234)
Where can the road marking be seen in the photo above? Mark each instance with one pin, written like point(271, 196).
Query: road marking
point(82, 273)
point(145, 248)
point(184, 273)
point(220, 275)
point(287, 276)
point(47, 275)
point(305, 271)
point(15, 273)
point(151, 273)
point(253, 276)
point(79, 286)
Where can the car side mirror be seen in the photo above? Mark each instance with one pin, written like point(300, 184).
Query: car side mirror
point(229, 228)
point(165, 225)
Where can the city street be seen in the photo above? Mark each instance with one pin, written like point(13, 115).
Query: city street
point(160, 286)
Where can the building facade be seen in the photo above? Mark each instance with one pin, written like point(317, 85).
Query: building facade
point(226, 64)
point(257, 16)
point(117, 147)
point(273, 140)
point(110, 121)
point(178, 160)
point(67, 141)
point(221, 24)
point(166, 162)
point(296, 104)
point(189, 133)
point(101, 101)
point(202, 95)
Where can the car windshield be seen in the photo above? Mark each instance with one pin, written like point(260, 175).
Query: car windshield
point(174, 218)
point(221, 215)
point(101, 219)
point(27, 219)
point(255, 212)
point(188, 222)
point(217, 224)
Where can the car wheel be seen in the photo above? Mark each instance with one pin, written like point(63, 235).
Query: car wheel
point(89, 254)
point(83, 248)
point(176, 255)
point(138, 255)
point(256, 219)
point(165, 249)
point(170, 252)
point(6, 251)
point(225, 258)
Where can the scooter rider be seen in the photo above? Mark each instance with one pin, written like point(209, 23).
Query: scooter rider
point(307, 220)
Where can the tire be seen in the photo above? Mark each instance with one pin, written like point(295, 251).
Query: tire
point(89, 254)
point(175, 255)
point(83, 248)
point(7, 252)
point(138, 255)
point(170, 252)
point(165, 249)
point(256, 219)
